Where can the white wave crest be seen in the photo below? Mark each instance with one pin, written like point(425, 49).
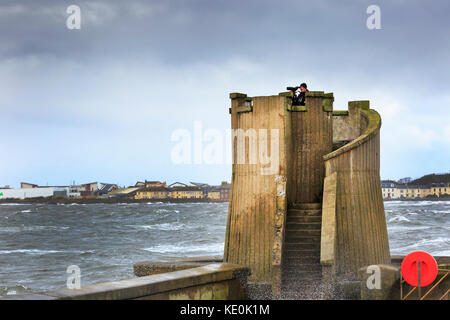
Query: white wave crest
point(160, 226)
point(213, 248)
point(398, 219)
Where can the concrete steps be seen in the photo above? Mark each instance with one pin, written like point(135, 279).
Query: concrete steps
point(315, 205)
point(301, 271)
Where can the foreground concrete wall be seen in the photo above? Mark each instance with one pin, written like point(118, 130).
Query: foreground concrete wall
point(389, 285)
point(220, 281)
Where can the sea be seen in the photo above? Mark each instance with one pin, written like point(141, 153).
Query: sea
point(39, 242)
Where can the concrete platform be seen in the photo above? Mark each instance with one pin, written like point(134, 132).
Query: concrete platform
point(150, 267)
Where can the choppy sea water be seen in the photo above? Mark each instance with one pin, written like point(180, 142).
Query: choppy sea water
point(418, 225)
point(38, 242)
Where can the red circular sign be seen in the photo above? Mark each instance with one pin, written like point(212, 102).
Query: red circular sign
point(428, 268)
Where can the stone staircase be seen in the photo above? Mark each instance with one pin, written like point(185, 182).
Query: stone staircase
point(301, 270)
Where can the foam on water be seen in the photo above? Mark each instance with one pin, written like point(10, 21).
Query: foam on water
point(29, 251)
point(32, 228)
point(397, 219)
point(213, 248)
point(160, 226)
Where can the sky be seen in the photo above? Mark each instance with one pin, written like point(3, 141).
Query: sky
point(101, 103)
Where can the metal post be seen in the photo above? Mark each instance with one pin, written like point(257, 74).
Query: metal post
point(419, 291)
point(401, 286)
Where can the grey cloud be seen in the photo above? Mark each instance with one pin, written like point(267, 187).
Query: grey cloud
point(134, 60)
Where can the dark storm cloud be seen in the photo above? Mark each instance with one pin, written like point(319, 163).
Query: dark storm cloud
point(321, 34)
point(134, 60)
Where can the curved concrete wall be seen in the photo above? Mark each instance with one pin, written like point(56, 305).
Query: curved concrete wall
point(361, 232)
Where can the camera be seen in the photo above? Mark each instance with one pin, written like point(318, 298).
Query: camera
point(293, 89)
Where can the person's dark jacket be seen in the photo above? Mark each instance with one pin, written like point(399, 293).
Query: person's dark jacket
point(299, 100)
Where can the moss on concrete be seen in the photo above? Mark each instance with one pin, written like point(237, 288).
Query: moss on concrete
point(314, 94)
point(340, 113)
point(298, 108)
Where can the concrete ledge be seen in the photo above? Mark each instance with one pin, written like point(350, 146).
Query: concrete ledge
point(442, 261)
point(340, 113)
point(297, 108)
point(237, 95)
point(389, 276)
point(220, 280)
point(315, 94)
point(147, 268)
point(29, 296)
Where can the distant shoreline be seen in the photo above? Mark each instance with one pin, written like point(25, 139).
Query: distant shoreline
point(102, 200)
point(58, 200)
point(415, 200)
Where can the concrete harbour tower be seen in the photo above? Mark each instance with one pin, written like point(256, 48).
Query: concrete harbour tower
point(306, 209)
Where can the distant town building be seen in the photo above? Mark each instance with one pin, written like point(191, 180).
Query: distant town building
point(186, 192)
point(124, 193)
point(155, 184)
point(214, 194)
point(156, 192)
point(392, 190)
point(204, 186)
point(199, 184)
point(389, 189)
point(153, 190)
point(34, 192)
point(404, 180)
point(26, 185)
point(90, 187)
point(147, 184)
point(225, 188)
point(177, 184)
point(84, 190)
point(106, 188)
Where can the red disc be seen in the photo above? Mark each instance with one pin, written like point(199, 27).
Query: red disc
point(410, 268)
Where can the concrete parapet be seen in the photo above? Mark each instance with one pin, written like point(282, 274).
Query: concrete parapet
point(389, 281)
point(220, 281)
point(389, 276)
point(148, 268)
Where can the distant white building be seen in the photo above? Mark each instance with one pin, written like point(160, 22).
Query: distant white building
point(405, 180)
point(36, 192)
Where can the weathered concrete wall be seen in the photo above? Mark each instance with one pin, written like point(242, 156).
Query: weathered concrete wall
point(214, 281)
point(328, 233)
point(249, 236)
point(349, 124)
point(360, 220)
point(259, 200)
point(328, 236)
point(312, 138)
